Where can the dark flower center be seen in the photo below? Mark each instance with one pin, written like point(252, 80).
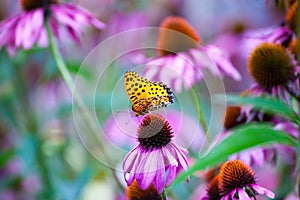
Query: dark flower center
point(34, 4)
point(176, 35)
point(270, 65)
point(235, 174)
point(291, 16)
point(233, 117)
point(154, 132)
point(134, 192)
point(213, 189)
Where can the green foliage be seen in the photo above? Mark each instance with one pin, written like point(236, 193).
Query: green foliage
point(241, 138)
point(267, 104)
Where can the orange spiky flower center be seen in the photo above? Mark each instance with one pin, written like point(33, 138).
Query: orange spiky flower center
point(291, 16)
point(154, 132)
point(235, 174)
point(28, 5)
point(176, 35)
point(270, 65)
point(233, 117)
point(134, 192)
point(293, 46)
point(213, 189)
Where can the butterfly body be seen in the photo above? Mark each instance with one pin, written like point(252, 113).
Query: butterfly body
point(146, 96)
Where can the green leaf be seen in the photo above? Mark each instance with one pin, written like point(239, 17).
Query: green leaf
point(241, 138)
point(265, 103)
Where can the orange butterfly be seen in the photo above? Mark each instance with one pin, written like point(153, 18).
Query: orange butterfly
point(146, 96)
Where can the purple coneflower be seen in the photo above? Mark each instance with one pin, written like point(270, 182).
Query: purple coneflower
point(28, 28)
point(155, 155)
point(274, 71)
point(181, 59)
point(134, 192)
point(235, 181)
point(213, 192)
point(187, 131)
point(254, 156)
point(283, 34)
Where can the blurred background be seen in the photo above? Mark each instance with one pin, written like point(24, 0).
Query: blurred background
point(43, 157)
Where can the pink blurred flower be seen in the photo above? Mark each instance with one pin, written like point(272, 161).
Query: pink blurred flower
point(255, 156)
point(155, 155)
point(181, 61)
point(28, 29)
point(31, 184)
point(8, 195)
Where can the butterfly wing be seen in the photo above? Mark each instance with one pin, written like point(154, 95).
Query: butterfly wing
point(144, 95)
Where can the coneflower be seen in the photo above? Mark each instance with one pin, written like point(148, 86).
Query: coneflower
point(237, 181)
point(155, 154)
point(134, 192)
point(27, 29)
point(213, 192)
point(234, 116)
point(182, 58)
point(274, 71)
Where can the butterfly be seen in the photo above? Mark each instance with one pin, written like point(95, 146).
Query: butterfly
point(146, 96)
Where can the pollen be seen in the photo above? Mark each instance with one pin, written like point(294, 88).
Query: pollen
point(134, 192)
point(154, 132)
point(235, 174)
point(176, 35)
point(34, 4)
point(291, 16)
point(233, 117)
point(270, 65)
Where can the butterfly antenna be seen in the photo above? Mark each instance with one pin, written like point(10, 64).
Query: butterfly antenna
point(132, 115)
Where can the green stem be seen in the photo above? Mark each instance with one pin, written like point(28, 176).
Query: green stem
point(88, 119)
point(197, 102)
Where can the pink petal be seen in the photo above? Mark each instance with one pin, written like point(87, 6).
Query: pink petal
point(159, 178)
point(264, 191)
point(171, 175)
point(130, 158)
point(242, 195)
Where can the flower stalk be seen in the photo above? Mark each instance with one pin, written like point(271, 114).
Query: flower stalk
point(78, 100)
point(198, 104)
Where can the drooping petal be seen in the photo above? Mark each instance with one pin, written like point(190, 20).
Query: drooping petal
point(262, 190)
point(130, 159)
point(147, 171)
point(223, 62)
point(159, 178)
point(171, 175)
point(243, 195)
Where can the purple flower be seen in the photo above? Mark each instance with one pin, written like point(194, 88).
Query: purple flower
point(255, 156)
point(155, 155)
point(237, 181)
point(187, 131)
point(28, 29)
point(181, 60)
point(236, 115)
point(275, 72)
point(31, 184)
